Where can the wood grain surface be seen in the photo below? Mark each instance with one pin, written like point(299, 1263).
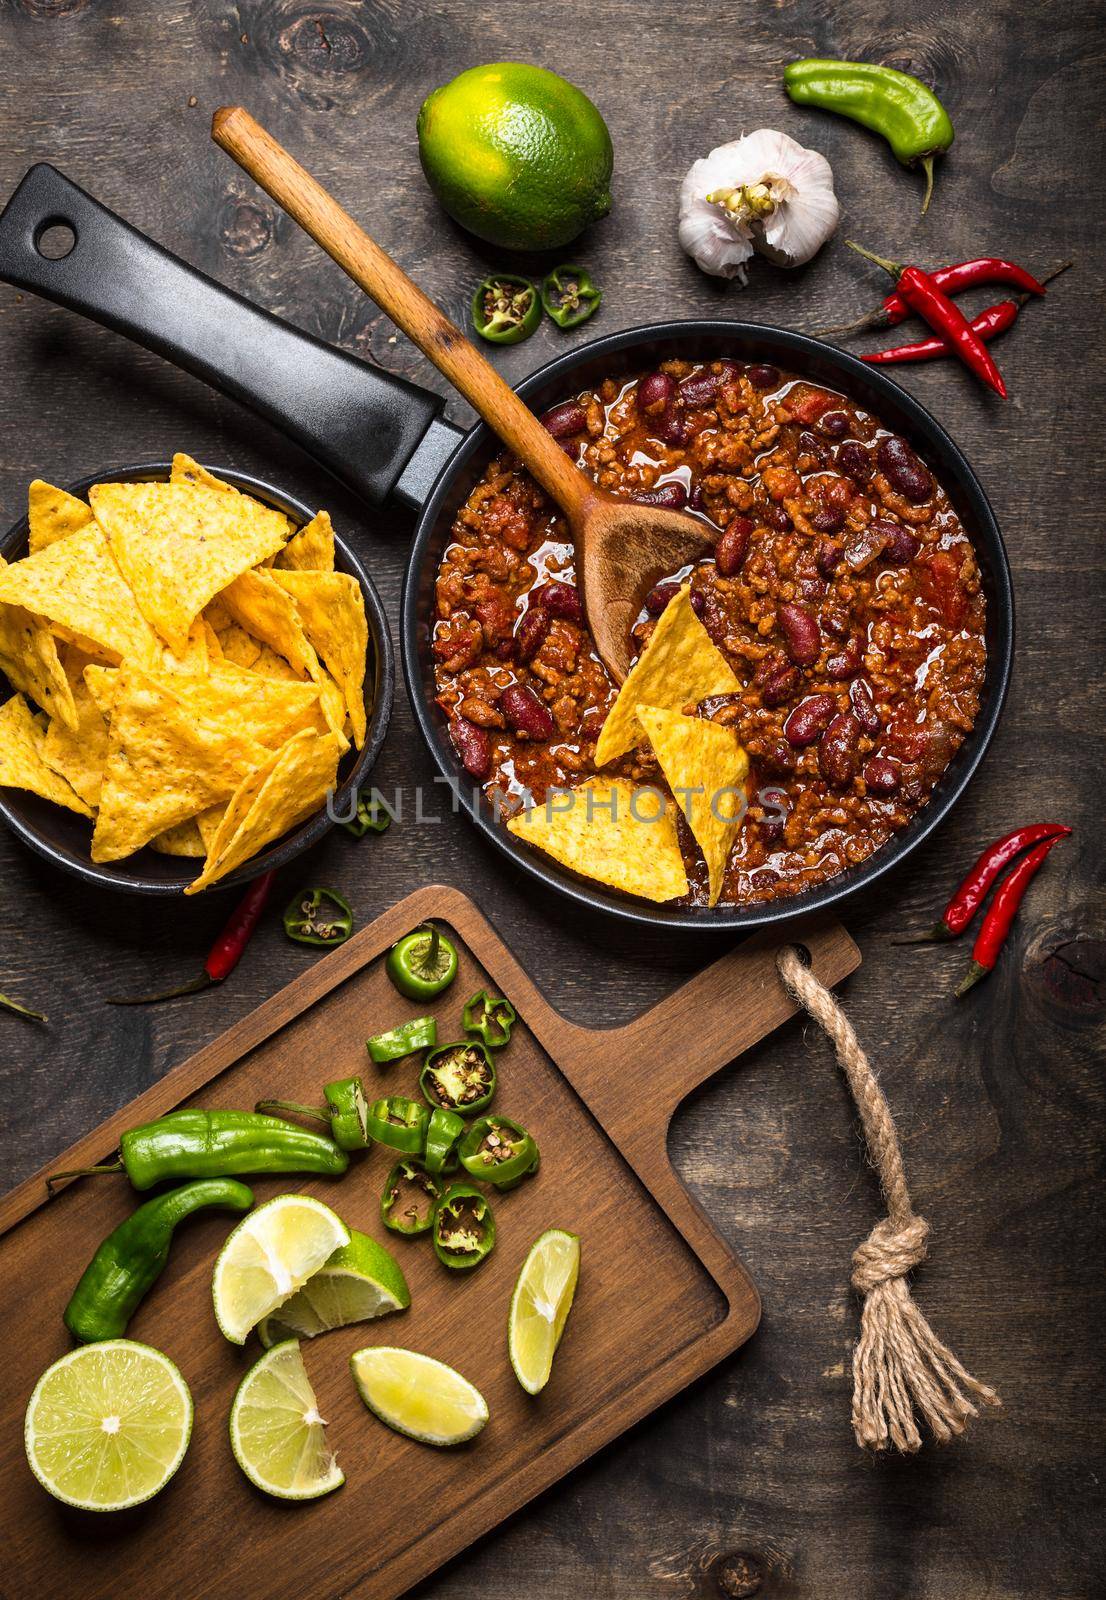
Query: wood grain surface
point(998, 1098)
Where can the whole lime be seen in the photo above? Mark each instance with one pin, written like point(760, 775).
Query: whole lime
point(517, 155)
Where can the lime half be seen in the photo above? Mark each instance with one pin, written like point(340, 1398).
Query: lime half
point(418, 1396)
point(270, 1255)
point(108, 1425)
point(276, 1432)
point(362, 1280)
point(540, 1306)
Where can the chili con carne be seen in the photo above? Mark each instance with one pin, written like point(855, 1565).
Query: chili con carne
point(464, 1228)
point(460, 1077)
point(399, 1123)
point(442, 1133)
point(131, 1258)
point(1001, 913)
point(972, 889)
point(569, 296)
point(318, 917)
point(498, 1151)
point(422, 964)
point(409, 1198)
point(371, 816)
point(505, 309)
point(226, 952)
point(421, 1033)
point(489, 1018)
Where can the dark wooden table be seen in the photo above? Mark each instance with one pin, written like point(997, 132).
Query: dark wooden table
point(997, 1098)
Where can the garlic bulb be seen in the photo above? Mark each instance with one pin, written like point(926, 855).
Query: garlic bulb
point(761, 192)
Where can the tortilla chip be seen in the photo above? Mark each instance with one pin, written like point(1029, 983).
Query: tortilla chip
point(217, 616)
point(80, 755)
point(208, 823)
point(259, 604)
point(195, 656)
point(271, 710)
point(310, 550)
point(239, 646)
point(184, 839)
point(706, 770)
point(178, 544)
point(185, 470)
point(101, 683)
point(331, 608)
point(29, 659)
point(291, 786)
point(22, 764)
point(679, 666)
point(610, 830)
point(75, 583)
point(53, 514)
point(166, 760)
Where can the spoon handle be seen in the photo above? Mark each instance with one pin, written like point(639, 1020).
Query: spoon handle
point(440, 340)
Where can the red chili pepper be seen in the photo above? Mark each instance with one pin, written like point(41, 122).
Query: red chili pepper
point(225, 953)
point(1001, 913)
point(971, 891)
point(989, 324)
point(934, 306)
point(950, 280)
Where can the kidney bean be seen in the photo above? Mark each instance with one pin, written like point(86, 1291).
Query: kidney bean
point(472, 745)
point(811, 446)
point(808, 719)
point(506, 650)
point(902, 546)
point(828, 519)
point(863, 546)
point(902, 469)
point(764, 377)
point(800, 629)
point(697, 602)
point(566, 419)
point(560, 600)
point(838, 750)
point(671, 495)
point(701, 388)
point(659, 596)
point(713, 616)
point(696, 501)
point(777, 758)
point(730, 550)
point(848, 663)
point(812, 588)
point(525, 712)
point(837, 622)
point(776, 517)
point(829, 554)
point(531, 632)
point(655, 389)
point(835, 424)
point(671, 427)
point(880, 775)
point(854, 461)
point(864, 705)
point(779, 685)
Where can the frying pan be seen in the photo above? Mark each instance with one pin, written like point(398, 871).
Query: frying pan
point(383, 436)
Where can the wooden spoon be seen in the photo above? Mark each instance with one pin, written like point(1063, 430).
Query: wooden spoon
point(621, 548)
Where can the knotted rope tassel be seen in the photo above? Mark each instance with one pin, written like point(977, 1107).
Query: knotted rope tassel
point(899, 1364)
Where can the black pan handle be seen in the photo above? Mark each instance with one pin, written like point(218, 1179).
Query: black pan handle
point(359, 422)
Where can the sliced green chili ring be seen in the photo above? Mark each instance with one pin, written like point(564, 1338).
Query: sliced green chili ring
point(460, 1077)
point(442, 1133)
point(422, 963)
point(399, 1123)
point(464, 1228)
point(318, 916)
point(372, 816)
point(490, 1019)
point(505, 308)
point(569, 296)
point(349, 1113)
point(497, 1150)
point(409, 1199)
point(421, 1033)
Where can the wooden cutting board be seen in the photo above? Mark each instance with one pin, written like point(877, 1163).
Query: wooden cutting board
point(661, 1297)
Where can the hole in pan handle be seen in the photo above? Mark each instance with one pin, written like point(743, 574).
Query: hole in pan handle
point(361, 423)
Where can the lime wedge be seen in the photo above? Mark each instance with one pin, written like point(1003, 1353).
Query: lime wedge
point(270, 1255)
point(361, 1281)
point(276, 1431)
point(107, 1425)
point(418, 1396)
point(540, 1306)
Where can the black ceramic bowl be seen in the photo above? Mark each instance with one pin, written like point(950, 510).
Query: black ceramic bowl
point(63, 838)
point(637, 350)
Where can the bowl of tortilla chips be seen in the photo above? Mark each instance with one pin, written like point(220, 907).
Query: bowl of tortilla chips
point(198, 677)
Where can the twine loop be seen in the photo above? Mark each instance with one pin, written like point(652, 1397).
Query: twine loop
point(888, 1252)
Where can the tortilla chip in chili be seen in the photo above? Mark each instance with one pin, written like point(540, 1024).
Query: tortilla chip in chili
point(29, 659)
point(331, 608)
point(53, 514)
point(76, 583)
point(22, 763)
point(705, 768)
point(311, 549)
point(680, 666)
point(610, 830)
point(178, 544)
point(292, 784)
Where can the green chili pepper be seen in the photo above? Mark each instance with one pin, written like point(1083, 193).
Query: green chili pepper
point(345, 1111)
point(569, 296)
point(217, 1144)
point(131, 1258)
point(421, 1033)
point(505, 309)
point(464, 1228)
point(9, 1004)
point(409, 1198)
point(905, 111)
point(442, 1133)
point(460, 1077)
point(498, 1151)
point(490, 1019)
point(318, 916)
point(422, 964)
point(399, 1123)
point(372, 816)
